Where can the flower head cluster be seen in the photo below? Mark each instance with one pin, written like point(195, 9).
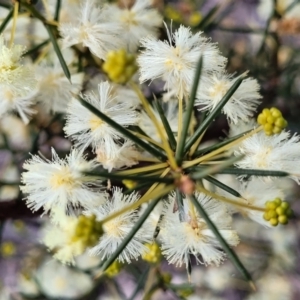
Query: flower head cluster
point(173, 204)
point(118, 228)
point(277, 152)
point(17, 82)
point(191, 235)
point(92, 30)
point(241, 105)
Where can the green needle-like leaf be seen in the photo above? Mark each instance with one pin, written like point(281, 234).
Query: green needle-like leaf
point(6, 20)
point(140, 284)
point(5, 5)
point(123, 130)
point(131, 234)
point(58, 52)
point(188, 114)
point(51, 34)
point(166, 124)
point(223, 186)
point(138, 187)
point(218, 145)
point(207, 18)
point(213, 169)
point(231, 254)
point(179, 202)
point(214, 113)
point(57, 10)
point(36, 48)
point(253, 172)
point(107, 175)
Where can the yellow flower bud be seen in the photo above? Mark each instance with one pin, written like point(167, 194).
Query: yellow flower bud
point(120, 66)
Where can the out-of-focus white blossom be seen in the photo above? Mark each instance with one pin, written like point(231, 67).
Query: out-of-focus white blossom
point(58, 237)
point(136, 22)
point(13, 74)
point(60, 281)
point(92, 29)
point(55, 90)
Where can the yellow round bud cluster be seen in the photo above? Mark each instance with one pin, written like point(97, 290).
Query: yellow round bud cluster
point(114, 269)
point(152, 254)
point(272, 120)
point(277, 211)
point(120, 66)
point(88, 231)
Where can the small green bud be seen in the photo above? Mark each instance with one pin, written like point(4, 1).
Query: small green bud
point(270, 119)
point(268, 127)
point(283, 220)
point(289, 212)
point(262, 119)
point(266, 216)
point(277, 201)
point(271, 205)
point(276, 113)
point(274, 221)
point(280, 122)
point(273, 214)
point(166, 277)
point(280, 211)
point(266, 112)
point(285, 205)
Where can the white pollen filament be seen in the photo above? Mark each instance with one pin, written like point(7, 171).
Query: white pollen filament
point(112, 228)
point(63, 178)
point(95, 122)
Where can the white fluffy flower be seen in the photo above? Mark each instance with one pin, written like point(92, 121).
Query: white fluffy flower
point(54, 89)
point(279, 152)
point(92, 30)
point(122, 156)
point(12, 101)
point(19, 78)
point(193, 236)
point(60, 183)
point(256, 193)
point(17, 82)
point(171, 114)
point(176, 64)
point(87, 129)
point(118, 228)
point(136, 22)
point(240, 106)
